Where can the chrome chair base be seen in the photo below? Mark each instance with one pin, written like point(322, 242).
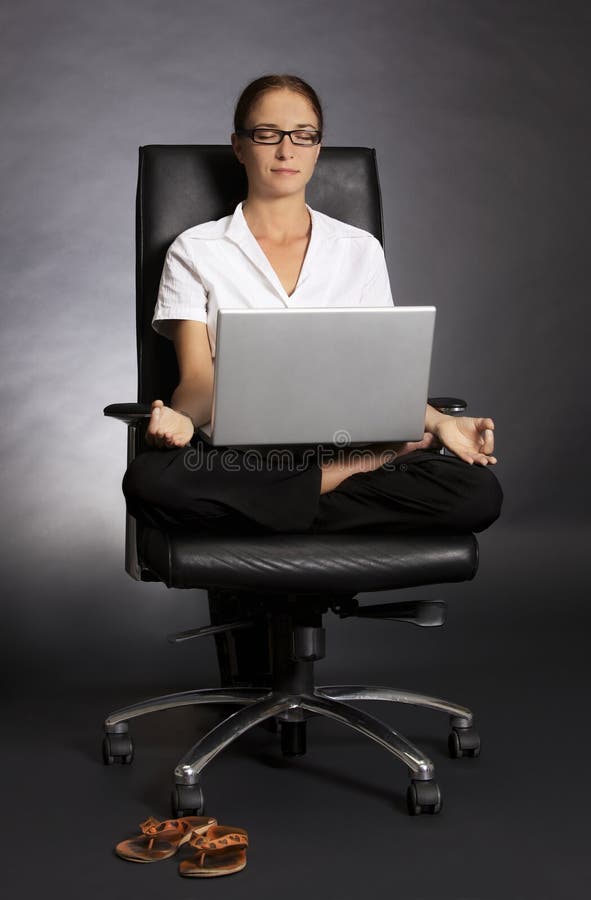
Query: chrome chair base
point(298, 641)
point(260, 704)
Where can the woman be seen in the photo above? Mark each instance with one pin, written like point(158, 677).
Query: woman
point(277, 248)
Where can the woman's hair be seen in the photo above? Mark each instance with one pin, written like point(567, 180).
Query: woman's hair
point(253, 91)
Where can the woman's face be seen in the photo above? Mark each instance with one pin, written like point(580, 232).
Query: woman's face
point(284, 109)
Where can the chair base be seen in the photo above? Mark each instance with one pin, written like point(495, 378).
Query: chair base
point(298, 641)
point(260, 704)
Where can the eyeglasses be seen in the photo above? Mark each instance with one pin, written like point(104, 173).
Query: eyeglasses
point(276, 135)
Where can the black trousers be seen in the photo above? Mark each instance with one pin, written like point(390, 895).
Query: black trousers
point(222, 490)
point(227, 490)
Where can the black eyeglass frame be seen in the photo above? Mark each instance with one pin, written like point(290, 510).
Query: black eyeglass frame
point(249, 132)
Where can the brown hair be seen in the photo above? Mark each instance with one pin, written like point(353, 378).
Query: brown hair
point(253, 91)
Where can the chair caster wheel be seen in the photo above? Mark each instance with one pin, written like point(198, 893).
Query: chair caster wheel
point(463, 742)
point(187, 800)
point(117, 748)
point(423, 797)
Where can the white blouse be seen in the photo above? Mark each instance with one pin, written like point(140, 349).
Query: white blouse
point(220, 264)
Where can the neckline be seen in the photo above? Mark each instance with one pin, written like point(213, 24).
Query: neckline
point(270, 271)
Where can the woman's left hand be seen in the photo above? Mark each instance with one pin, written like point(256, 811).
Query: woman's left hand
point(469, 438)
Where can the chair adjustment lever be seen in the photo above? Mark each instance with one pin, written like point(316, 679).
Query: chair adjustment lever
point(426, 613)
point(181, 636)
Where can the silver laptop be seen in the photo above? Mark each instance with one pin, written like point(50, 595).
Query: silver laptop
point(338, 375)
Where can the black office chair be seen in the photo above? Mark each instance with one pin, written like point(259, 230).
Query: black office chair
point(269, 592)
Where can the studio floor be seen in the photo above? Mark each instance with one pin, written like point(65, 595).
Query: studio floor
point(514, 823)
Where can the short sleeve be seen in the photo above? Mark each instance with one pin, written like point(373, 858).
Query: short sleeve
point(181, 294)
point(376, 291)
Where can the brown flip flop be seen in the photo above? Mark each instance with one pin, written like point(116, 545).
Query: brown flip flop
point(220, 851)
point(160, 840)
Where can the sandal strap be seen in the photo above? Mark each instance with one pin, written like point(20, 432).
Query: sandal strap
point(237, 840)
point(152, 826)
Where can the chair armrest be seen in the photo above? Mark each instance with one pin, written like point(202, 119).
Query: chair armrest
point(451, 406)
point(135, 413)
point(131, 413)
point(135, 416)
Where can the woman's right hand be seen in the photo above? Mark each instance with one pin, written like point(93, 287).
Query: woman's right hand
point(168, 428)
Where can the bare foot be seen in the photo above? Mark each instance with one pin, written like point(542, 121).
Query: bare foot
point(334, 472)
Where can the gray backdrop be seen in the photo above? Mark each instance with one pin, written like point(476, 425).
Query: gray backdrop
point(479, 112)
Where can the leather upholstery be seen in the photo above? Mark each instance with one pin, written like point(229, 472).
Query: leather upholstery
point(308, 563)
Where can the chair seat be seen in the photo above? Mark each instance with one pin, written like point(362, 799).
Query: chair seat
point(308, 563)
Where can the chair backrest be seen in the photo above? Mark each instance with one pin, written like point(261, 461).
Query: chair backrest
point(184, 185)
